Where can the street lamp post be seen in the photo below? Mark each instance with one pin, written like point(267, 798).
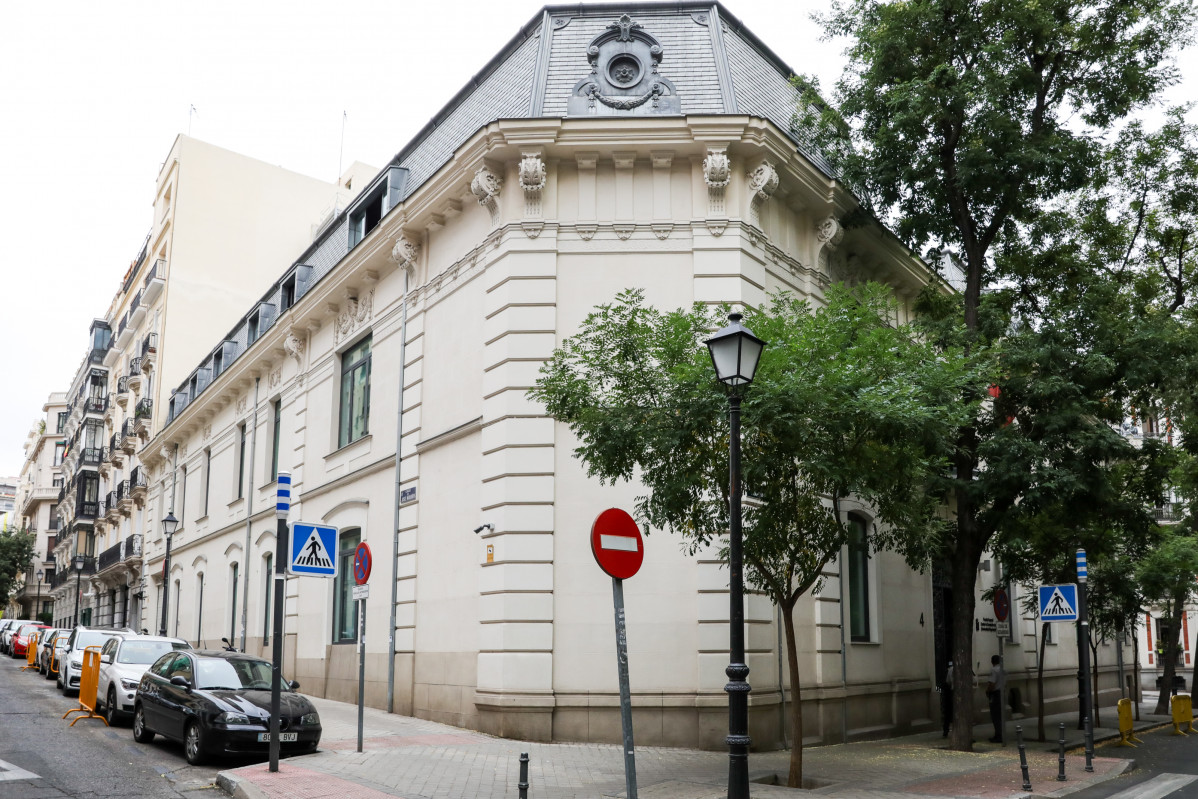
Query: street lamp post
point(735, 352)
point(168, 528)
point(37, 599)
point(79, 562)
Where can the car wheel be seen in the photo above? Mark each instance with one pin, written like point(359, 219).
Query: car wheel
point(193, 744)
point(110, 709)
point(140, 733)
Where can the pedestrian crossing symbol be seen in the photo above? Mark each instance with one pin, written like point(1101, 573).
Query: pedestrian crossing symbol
point(312, 548)
point(1058, 602)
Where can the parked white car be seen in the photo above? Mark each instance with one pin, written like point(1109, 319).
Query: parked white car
point(122, 662)
point(72, 659)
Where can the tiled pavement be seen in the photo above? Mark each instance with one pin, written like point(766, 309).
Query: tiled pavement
point(418, 759)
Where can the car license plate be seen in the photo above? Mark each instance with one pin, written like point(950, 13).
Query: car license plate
point(284, 737)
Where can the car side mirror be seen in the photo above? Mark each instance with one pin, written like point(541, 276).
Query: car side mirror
point(294, 684)
point(181, 681)
point(106, 659)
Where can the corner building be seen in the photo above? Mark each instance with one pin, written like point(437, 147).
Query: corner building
point(603, 148)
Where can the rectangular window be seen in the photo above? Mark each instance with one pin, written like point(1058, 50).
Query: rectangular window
point(182, 493)
point(276, 433)
point(62, 422)
point(345, 609)
point(267, 584)
point(240, 461)
point(233, 614)
point(207, 478)
point(355, 393)
point(59, 450)
point(858, 581)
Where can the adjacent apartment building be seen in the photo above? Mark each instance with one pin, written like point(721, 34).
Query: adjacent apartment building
point(209, 253)
point(386, 368)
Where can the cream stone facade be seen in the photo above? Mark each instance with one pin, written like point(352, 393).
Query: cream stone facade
point(604, 148)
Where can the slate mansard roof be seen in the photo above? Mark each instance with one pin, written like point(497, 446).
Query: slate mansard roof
point(567, 61)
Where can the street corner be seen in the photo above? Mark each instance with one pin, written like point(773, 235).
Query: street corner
point(291, 782)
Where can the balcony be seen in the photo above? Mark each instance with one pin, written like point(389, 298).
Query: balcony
point(155, 282)
point(132, 547)
point(124, 332)
point(135, 376)
point(122, 391)
point(87, 510)
point(137, 311)
point(110, 414)
point(124, 498)
point(105, 461)
point(68, 574)
point(111, 511)
point(149, 352)
point(128, 437)
point(96, 405)
point(110, 557)
point(138, 484)
point(116, 449)
point(142, 415)
point(91, 456)
point(1170, 513)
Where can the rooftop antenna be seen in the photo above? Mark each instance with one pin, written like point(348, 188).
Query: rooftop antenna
point(341, 152)
point(190, 113)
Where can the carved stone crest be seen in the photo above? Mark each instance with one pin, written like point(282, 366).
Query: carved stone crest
point(207, 431)
point(828, 235)
point(485, 187)
point(357, 311)
point(405, 252)
point(241, 405)
point(276, 377)
point(763, 182)
point(717, 172)
point(624, 78)
point(532, 180)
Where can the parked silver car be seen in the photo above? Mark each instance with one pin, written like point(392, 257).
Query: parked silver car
point(122, 662)
point(72, 659)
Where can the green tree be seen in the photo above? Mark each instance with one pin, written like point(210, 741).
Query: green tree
point(16, 553)
point(843, 404)
point(967, 120)
point(1167, 580)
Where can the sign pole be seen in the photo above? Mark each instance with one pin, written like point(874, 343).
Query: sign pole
point(361, 666)
point(617, 590)
point(282, 508)
point(1083, 631)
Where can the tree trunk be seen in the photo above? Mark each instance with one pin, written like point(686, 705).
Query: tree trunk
point(1169, 655)
point(795, 778)
point(964, 561)
point(1041, 735)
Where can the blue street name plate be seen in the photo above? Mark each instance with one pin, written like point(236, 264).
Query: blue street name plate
point(1058, 602)
point(313, 550)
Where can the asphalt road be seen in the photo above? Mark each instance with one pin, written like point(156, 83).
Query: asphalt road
point(43, 757)
point(1166, 766)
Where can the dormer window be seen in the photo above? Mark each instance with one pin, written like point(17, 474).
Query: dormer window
point(374, 203)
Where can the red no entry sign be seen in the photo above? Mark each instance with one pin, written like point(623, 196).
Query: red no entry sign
point(1002, 605)
point(617, 544)
point(362, 563)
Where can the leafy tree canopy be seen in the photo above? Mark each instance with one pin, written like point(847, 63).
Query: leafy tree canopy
point(16, 553)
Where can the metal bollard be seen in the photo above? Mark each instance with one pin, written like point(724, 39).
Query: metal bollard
point(1027, 778)
point(523, 785)
point(1061, 756)
point(1089, 746)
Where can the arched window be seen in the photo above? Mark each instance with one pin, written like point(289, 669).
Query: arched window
point(859, 629)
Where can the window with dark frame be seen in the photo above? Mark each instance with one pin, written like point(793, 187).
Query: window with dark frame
point(207, 478)
point(345, 609)
point(858, 580)
point(267, 582)
point(62, 422)
point(233, 611)
point(355, 393)
point(276, 432)
point(199, 607)
point(240, 461)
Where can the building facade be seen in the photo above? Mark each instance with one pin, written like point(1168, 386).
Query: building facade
point(603, 148)
point(206, 257)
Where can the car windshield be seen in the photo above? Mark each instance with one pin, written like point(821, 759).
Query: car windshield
point(88, 638)
point(26, 629)
point(146, 652)
point(214, 673)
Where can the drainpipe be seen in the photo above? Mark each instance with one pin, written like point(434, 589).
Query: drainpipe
point(249, 515)
point(403, 343)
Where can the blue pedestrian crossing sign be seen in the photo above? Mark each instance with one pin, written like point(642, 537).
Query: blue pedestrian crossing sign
point(313, 550)
point(1058, 602)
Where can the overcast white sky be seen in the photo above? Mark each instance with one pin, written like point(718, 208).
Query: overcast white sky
point(92, 96)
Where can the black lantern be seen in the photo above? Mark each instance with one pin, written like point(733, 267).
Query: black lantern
point(734, 352)
point(169, 525)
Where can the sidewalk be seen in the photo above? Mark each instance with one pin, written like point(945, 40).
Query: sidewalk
point(417, 759)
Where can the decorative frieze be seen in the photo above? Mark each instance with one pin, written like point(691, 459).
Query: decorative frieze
point(486, 186)
point(356, 313)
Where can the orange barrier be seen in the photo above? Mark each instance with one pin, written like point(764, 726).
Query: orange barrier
point(30, 653)
point(89, 681)
point(1183, 713)
point(53, 667)
point(1127, 732)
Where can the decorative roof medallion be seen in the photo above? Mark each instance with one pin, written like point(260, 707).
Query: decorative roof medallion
point(624, 80)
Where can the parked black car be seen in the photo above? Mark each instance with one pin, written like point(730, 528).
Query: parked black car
point(219, 703)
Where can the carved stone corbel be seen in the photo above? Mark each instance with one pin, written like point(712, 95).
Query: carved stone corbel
point(763, 182)
point(828, 235)
point(717, 172)
point(486, 186)
point(533, 177)
point(295, 344)
point(405, 252)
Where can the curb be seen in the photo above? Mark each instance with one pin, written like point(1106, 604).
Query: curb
point(237, 787)
point(1128, 765)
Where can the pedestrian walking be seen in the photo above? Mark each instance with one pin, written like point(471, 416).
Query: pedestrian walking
point(994, 692)
point(946, 699)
